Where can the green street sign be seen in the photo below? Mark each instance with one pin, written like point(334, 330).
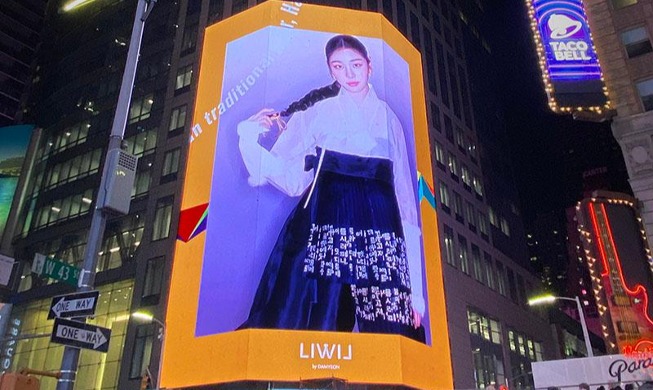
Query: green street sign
point(59, 270)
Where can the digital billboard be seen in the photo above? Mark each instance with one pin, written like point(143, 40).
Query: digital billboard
point(308, 243)
point(13, 146)
point(569, 64)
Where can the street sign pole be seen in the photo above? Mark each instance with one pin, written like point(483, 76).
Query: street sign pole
point(70, 358)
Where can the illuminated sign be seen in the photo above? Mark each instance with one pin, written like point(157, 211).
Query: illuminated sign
point(13, 146)
point(569, 64)
point(619, 264)
point(308, 243)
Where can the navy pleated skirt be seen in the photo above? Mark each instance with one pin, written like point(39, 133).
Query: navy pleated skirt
point(342, 259)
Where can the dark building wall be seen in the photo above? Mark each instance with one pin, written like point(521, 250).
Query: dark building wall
point(20, 26)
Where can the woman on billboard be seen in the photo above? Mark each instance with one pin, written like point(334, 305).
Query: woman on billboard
point(350, 250)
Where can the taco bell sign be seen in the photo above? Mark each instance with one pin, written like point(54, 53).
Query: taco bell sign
point(571, 68)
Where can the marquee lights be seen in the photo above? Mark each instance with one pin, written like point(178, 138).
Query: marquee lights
point(604, 246)
point(567, 56)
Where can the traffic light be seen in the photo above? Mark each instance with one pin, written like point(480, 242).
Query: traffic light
point(146, 382)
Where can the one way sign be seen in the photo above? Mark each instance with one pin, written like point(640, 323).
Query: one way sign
point(80, 335)
point(74, 305)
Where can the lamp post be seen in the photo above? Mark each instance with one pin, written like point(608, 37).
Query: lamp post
point(70, 359)
point(550, 299)
point(147, 317)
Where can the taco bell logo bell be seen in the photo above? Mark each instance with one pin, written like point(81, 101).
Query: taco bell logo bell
point(561, 28)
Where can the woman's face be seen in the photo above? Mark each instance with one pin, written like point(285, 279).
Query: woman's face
point(351, 70)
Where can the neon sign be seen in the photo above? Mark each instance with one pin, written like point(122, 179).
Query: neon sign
point(569, 63)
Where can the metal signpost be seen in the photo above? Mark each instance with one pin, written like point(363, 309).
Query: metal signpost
point(98, 222)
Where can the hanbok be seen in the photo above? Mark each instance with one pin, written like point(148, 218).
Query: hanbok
point(349, 253)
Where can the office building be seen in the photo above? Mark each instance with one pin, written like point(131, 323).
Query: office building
point(20, 27)
point(622, 31)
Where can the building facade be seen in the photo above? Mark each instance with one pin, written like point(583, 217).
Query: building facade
point(622, 31)
point(20, 27)
point(494, 335)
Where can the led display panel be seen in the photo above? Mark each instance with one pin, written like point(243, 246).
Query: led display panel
point(569, 64)
point(308, 243)
point(13, 146)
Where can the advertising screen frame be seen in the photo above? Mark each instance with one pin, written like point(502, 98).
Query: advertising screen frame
point(284, 355)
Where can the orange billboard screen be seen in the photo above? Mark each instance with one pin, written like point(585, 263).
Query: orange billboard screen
point(307, 239)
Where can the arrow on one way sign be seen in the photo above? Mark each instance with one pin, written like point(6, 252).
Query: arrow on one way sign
point(81, 335)
point(74, 305)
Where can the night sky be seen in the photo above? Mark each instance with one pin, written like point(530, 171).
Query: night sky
point(549, 151)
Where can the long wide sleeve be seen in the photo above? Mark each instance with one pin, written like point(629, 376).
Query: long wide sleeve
point(403, 178)
point(283, 165)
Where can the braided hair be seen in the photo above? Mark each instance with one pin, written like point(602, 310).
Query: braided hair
point(331, 90)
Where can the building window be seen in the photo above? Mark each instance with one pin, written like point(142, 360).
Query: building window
point(121, 241)
point(170, 165)
point(448, 128)
point(63, 209)
point(74, 169)
point(444, 196)
point(472, 149)
point(189, 40)
point(458, 207)
point(645, 90)
point(466, 177)
point(142, 143)
point(616, 4)
point(477, 264)
point(470, 215)
point(453, 164)
point(493, 217)
point(69, 137)
point(177, 118)
point(439, 155)
point(153, 280)
point(478, 186)
point(505, 227)
point(460, 139)
point(489, 270)
point(141, 108)
point(141, 183)
point(636, 42)
point(501, 278)
point(483, 226)
point(142, 350)
point(162, 218)
point(463, 254)
point(449, 251)
point(485, 337)
point(184, 77)
point(435, 117)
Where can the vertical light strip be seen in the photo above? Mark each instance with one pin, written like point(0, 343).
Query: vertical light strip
point(604, 258)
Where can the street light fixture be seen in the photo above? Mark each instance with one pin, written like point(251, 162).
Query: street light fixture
point(550, 299)
point(149, 318)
